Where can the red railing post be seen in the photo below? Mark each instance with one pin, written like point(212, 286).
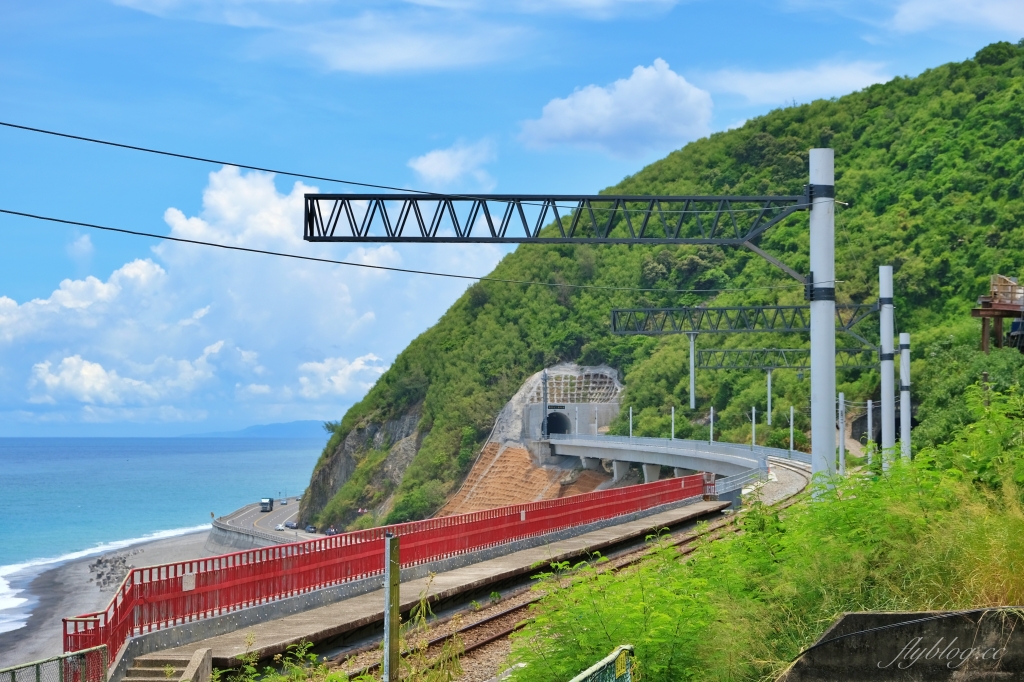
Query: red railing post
point(159, 597)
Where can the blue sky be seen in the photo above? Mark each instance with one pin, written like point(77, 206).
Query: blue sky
point(113, 335)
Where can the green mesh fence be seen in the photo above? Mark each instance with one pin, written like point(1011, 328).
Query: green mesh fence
point(88, 665)
point(615, 667)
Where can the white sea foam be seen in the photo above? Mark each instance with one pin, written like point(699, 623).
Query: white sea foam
point(12, 617)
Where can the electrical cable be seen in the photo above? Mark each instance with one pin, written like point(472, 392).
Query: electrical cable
point(372, 267)
point(354, 183)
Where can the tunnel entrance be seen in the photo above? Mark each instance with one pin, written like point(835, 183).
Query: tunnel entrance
point(558, 423)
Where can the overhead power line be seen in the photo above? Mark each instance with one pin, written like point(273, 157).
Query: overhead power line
point(296, 256)
point(354, 183)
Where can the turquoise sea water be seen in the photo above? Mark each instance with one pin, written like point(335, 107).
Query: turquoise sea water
point(63, 498)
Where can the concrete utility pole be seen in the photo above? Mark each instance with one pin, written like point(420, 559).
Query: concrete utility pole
point(888, 389)
point(630, 421)
point(544, 404)
point(905, 395)
point(392, 570)
point(790, 430)
point(769, 397)
point(711, 439)
point(753, 427)
point(693, 380)
point(842, 434)
point(822, 292)
point(673, 436)
point(871, 431)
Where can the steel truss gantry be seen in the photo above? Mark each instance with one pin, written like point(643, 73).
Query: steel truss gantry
point(618, 219)
point(731, 319)
point(575, 218)
point(780, 358)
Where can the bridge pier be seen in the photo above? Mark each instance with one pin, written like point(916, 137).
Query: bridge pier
point(591, 463)
point(652, 472)
point(619, 470)
point(678, 472)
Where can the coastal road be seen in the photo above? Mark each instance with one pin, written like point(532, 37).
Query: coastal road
point(250, 517)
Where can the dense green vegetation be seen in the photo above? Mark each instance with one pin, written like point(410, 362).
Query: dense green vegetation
point(931, 172)
point(945, 531)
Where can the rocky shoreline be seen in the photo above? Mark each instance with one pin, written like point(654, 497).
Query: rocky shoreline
point(84, 586)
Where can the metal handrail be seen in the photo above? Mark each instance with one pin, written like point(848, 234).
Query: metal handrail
point(760, 451)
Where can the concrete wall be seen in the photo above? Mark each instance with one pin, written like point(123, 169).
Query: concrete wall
point(987, 644)
point(725, 459)
point(225, 539)
point(200, 668)
point(604, 413)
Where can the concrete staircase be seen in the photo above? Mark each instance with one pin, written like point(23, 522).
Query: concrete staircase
point(171, 668)
point(162, 669)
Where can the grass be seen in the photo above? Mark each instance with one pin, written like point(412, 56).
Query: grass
point(945, 531)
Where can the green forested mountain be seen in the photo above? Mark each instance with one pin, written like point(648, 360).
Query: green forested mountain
point(931, 171)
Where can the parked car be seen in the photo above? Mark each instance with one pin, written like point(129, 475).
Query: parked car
point(279, 526)
point(310, 529)
point(291, 524)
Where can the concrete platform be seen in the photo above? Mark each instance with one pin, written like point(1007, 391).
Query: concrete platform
point(316, 625)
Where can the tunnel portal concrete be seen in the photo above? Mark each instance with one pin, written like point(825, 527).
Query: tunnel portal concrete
point(558, 422)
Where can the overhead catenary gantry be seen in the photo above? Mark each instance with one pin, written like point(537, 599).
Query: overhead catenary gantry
point(618, 219)
point(696, 320)
point(521, 218)
point(780, 358)
point(731, 319)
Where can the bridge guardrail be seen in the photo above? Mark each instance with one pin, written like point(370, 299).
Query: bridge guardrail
point(160, 597)
point(88, 665)
point(683, 445)
point(276, 539)
point(760, 453)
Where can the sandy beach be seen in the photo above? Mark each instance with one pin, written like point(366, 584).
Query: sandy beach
point(83, 586)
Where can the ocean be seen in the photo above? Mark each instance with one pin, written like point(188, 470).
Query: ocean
point(66, 498)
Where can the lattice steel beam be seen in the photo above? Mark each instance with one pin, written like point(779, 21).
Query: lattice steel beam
point(503, 218)
point(781, 358)
point(730, 319)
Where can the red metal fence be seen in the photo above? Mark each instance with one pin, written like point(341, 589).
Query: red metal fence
point(160, 597)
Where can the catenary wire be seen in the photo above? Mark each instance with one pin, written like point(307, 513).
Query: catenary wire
point(295, 256)
point(354, 183)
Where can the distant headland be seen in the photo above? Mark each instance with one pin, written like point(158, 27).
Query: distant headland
point(307, 428)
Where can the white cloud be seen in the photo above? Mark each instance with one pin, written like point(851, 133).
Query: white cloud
point(918, 15)
point(597, 9)
point(655, 109)
point(195, 317)
point(366, 36)
point(251, 390)
point(445, 167)
point(827, 79)
point(382, 43)
point(87, 382)
point(338, 376)
point(196, 333)
point(243, 211)
point(81, 248)
point(78, 303)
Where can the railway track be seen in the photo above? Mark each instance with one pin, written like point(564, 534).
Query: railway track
point(497, 626)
